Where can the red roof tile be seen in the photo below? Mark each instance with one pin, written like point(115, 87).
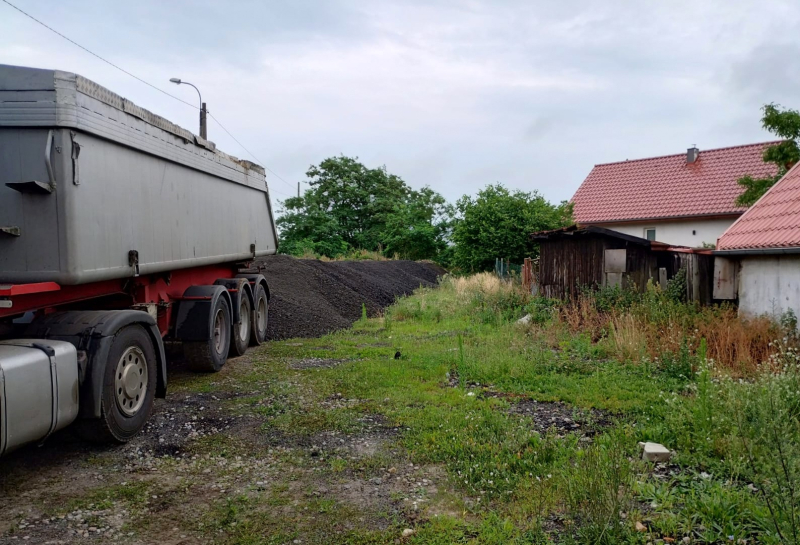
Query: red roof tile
point(772, 222)
point(665, 187)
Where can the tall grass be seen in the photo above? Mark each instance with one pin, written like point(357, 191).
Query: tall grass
point(480, 285)
point(655, 327)
point(598, 489)
point(630, 326)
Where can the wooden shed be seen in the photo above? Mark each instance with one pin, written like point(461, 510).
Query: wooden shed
point(574, 258)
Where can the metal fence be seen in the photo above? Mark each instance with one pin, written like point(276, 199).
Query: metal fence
point(505, 269)
point(527, 273)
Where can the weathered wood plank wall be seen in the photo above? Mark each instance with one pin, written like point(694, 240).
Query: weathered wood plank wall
point(566, 265)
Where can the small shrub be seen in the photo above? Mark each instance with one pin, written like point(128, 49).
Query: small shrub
point(789, 322)
point(676, 287)
point(610, 298)
point(680, 365)
point(542, 309)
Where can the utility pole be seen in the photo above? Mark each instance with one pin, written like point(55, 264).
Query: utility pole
point(298, 190)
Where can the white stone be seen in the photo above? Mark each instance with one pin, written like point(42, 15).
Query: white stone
point(525, 320)
point(408, 532)
point(655, 452)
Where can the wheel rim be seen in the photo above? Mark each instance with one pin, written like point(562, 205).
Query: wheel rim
point(220, 332)
point(130, 381)
point(244, 321)
point(261, 314)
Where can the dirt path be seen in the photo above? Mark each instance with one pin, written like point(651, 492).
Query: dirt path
point(206, 458)
point(210, 466)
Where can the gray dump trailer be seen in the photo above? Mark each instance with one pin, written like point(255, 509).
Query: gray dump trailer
point(118, 230)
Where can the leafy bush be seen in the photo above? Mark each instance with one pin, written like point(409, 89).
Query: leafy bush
point(680, 365)
point(676, 286)
point(608, 298)
point(541, 309)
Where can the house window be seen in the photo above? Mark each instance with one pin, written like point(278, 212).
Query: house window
point(650, 233)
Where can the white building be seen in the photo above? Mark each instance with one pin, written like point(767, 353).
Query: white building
point(684, 199)
point(758, 257)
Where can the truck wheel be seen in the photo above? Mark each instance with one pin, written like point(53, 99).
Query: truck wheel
point(209, 356)
point(260, 315)
point(241, 331)
point(129, 386)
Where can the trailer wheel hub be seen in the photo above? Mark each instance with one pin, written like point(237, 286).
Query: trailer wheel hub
point(244, 326)
point(220, 331)
point(261, 314)
point(130, 380)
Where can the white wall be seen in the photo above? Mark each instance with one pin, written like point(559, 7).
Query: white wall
point(692, 233)
point(769, 284)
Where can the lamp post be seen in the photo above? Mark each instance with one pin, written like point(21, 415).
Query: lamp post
point(203, 127)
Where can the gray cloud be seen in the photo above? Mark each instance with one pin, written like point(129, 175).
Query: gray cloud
point(770, 73)
point(539, 127)
point(447, 93)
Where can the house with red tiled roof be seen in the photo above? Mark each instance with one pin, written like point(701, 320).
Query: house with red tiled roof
point(687, 199)
point(758, 257)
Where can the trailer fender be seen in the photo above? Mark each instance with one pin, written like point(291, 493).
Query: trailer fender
point(256, 279)
point(93, 331)
point(237, 288)
point(193, 319)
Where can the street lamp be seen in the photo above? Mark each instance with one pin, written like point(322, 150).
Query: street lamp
point(203, 127)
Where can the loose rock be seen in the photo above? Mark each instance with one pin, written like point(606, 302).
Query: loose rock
point(655, 452)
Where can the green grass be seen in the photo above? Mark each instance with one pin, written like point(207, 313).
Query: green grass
point(515, 482)
point(505, 483)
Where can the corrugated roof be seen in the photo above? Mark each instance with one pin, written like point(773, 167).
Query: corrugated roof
point(667, 187)
point(772, 222)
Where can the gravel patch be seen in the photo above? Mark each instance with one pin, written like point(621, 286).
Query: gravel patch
point(315, 363)
point(556, 416)
point(562, 418)
point(178, 422)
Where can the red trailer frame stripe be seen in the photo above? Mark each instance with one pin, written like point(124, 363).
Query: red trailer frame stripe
point(162, 289)
point(9, 290)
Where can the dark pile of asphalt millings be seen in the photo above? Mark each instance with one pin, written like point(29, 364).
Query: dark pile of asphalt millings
point(309, 298)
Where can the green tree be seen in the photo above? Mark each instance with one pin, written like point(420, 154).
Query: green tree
point(499, 222)
point(306, 227)
point(358, 198)
point(784, 123)
point(419, 227)
point(349, 206)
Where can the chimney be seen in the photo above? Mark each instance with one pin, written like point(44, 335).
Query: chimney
point(692, 154)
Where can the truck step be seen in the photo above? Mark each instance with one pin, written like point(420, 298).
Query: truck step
point(32, 187)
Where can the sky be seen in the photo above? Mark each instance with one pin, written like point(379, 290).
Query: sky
point(451, 94)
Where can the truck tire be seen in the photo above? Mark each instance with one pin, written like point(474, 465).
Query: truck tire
point(260, 315)
point(208, 356)
point(241, 332)
point(129, 386)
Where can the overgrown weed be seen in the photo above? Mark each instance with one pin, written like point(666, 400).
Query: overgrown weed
point(654, 325)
